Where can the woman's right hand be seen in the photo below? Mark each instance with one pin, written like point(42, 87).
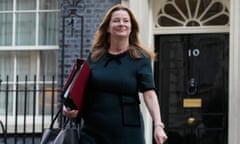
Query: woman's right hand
point(70, 113)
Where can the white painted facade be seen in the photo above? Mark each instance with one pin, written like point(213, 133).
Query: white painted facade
point(146, 10)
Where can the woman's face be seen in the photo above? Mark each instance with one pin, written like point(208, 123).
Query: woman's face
point(120, 24)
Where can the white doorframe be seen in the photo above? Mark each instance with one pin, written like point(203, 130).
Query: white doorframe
point(234, 74)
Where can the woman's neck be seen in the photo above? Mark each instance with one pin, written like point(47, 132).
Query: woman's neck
point(117, 47)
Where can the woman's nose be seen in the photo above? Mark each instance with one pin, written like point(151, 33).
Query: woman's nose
point(121, 22)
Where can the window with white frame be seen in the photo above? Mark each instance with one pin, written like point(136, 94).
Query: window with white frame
point(28, 51)
point(191, 13)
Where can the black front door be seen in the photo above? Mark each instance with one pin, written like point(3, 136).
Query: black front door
point(192, 76)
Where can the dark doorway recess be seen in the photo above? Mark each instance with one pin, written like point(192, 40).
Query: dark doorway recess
point(191, 73)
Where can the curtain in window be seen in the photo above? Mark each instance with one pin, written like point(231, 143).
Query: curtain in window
point(26, 4)
point(6, 22)
point(26, 65)
point(49, 4)
point(48, 64)
point(48, 22)
point(6, 5)
point(48, 28)
point(5, 29)
point(25, 28)
point(6, 65)
point(25, 22)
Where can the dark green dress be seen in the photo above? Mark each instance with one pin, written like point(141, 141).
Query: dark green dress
point(112, 112)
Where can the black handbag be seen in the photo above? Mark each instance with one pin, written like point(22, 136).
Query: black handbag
point(51, 133)
point(68, 135)
point(64, 135)
point(72, 135)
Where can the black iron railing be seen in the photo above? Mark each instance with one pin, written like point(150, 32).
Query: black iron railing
point(27, 106)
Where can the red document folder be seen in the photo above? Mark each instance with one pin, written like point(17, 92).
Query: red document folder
point(75, 85)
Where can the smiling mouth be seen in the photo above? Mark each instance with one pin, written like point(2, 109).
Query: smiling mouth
point(121, 30)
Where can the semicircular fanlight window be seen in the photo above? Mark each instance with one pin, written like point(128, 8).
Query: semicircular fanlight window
point(191, 13)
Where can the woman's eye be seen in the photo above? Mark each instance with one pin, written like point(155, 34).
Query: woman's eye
point(119, 20)
point(115, 20)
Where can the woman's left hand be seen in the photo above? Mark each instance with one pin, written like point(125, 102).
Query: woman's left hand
point(70, 113)
point(160, 135)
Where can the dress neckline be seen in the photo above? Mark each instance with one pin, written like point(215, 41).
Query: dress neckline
point(117, 55)
point(114, 57)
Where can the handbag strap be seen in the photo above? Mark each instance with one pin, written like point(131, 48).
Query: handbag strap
point(55, 117)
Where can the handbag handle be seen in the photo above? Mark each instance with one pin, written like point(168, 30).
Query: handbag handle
point(55, 117)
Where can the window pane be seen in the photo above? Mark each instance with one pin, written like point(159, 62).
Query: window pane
point(5, 29)
point(48, 4)
point(6, 5)
point(26, 4)
point(48, 28)
point(6, 66)
point(48, 64)
point(26, 65)
point(25, 28)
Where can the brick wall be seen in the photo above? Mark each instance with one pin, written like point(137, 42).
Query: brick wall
point(79, 20)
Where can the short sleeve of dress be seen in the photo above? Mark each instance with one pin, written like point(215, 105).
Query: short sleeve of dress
point(145, 75)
